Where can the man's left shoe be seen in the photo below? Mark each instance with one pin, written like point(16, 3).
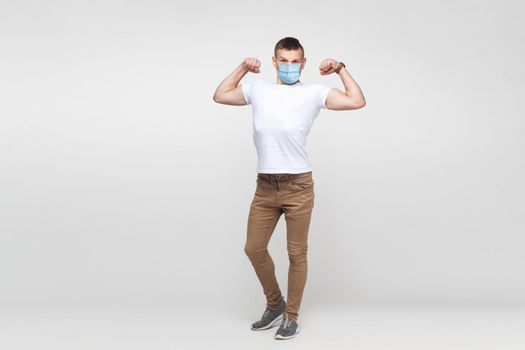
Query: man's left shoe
point(288, 328)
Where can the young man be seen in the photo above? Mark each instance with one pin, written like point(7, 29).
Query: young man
point(283, 112)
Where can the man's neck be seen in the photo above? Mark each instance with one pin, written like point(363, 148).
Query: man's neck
point(279, 82)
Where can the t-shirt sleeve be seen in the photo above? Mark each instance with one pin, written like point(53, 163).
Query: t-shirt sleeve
point(247, 91)
point(322, 93)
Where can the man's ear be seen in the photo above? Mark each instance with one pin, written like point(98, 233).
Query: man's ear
point(304, 62)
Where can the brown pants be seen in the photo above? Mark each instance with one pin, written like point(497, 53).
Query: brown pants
point(293, 195)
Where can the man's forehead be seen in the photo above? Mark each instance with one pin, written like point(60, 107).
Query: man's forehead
point(290, 55)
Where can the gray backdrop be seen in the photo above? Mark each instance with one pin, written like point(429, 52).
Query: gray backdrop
point(121, 179)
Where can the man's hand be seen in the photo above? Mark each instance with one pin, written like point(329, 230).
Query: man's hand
point(251, 64)
point(328, 66)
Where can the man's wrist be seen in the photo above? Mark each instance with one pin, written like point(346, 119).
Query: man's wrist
point(340, 67)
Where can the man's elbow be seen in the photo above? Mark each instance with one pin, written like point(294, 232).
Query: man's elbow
point(356, 105)
point(361, 104)
point(216, 98)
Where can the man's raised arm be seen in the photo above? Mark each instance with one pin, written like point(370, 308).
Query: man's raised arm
point(229, 92)
point(352, 98)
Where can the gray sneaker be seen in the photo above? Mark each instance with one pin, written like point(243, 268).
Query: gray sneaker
point(288, 328)
point(270, 317)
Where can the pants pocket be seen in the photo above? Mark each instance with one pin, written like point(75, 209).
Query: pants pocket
point(302, 184)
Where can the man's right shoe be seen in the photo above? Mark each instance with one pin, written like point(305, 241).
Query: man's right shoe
point(270, 317)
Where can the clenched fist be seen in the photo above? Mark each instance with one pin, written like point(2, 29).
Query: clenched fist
point(252, 64)
point(328, 66)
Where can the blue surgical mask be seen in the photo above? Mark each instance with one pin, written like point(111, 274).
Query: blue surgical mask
point(289, 72)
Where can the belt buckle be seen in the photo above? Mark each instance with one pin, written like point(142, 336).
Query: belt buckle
point(281, 177)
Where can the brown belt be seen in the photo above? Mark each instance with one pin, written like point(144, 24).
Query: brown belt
point(282, 176)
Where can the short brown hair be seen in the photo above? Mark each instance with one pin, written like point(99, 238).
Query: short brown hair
point(288, 43)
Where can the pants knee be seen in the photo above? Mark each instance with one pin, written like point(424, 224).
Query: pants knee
point(298, 257)
point(254, 252)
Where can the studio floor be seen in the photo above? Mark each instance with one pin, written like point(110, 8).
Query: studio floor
point(169, 326)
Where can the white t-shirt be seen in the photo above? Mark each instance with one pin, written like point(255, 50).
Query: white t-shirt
point(282, 117)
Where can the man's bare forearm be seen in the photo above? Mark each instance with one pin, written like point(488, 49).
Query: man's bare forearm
point(229, 92)
point(232, 80)
point(352, 90)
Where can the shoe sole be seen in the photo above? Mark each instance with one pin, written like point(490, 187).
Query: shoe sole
point(281, 337)
point(269, 325)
